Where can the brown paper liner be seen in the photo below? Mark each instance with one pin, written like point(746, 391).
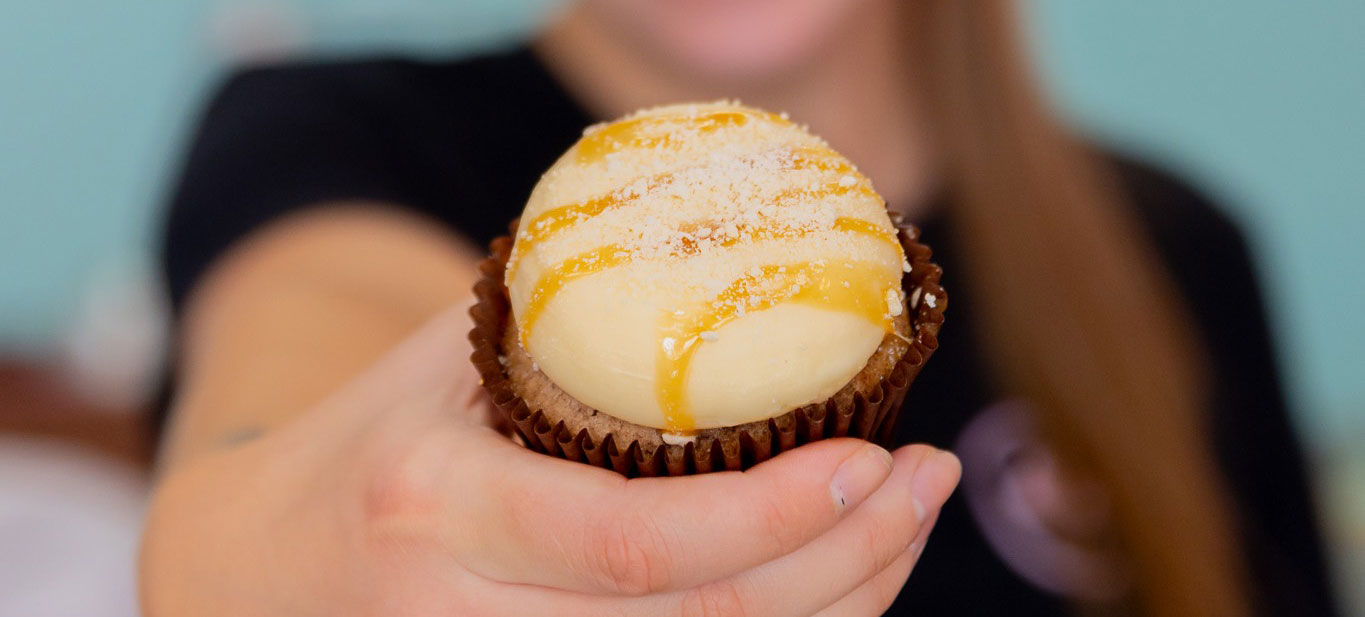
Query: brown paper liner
point(866, 408)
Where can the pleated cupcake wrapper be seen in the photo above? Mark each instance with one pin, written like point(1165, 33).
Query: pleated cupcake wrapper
point(868, 415)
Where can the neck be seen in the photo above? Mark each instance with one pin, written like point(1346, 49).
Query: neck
point(856, 91)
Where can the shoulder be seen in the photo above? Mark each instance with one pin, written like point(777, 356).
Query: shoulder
point(1178, 215)
point(379, 83)
point(1203, 250)
point(316, 76)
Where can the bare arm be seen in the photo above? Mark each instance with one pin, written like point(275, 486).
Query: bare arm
point(374, 489)
point(298, 309)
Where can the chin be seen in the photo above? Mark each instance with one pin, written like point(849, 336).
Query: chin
point(740, 62)
point(732, 40)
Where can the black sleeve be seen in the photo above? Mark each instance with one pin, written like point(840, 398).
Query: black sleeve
point(272, 140)
point(1254, 439)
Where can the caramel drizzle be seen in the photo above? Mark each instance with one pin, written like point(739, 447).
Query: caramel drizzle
point(612, 255)
point(553, 281)
point(556, 220)
point(846, 286)
point(644, 132)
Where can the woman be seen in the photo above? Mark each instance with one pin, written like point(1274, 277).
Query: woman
point(1106, 375)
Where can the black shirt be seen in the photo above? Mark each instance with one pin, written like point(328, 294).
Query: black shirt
point(464, 141)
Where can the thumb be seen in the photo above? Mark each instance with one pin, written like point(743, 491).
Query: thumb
point(568, 525)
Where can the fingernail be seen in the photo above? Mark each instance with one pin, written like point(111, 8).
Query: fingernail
point(858, 476)
point(934, 481)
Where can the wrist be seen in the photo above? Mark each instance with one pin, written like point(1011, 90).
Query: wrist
point(232, 533)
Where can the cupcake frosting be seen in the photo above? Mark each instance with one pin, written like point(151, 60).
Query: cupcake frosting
point(703, 265)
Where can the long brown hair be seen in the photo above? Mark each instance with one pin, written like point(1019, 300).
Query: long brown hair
point(1076, 314)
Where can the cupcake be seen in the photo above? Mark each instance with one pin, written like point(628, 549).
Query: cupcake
point(699, 287)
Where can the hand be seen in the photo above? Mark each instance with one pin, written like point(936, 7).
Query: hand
point(394, 497)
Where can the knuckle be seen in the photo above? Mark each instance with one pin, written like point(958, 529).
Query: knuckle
point(886, 592)
point(777, 520)
point(878, 548)
point(401, 491)
point(888, 584)
point(632, 555)
point(716, 599)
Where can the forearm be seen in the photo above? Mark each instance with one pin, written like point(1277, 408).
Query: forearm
point(296, 311)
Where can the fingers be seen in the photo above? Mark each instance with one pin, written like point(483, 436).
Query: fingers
point(865, 543)
point(554, 523)
point(834, 575)
point(876, 595)
point(430, 358)
point(428, 375)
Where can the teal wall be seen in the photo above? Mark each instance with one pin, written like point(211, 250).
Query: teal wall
point(1258, 100)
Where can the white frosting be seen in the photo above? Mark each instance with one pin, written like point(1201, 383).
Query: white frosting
point(688, 198)
point(677, 439)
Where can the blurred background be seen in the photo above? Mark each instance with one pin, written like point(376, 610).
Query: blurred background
point(1256, 101)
